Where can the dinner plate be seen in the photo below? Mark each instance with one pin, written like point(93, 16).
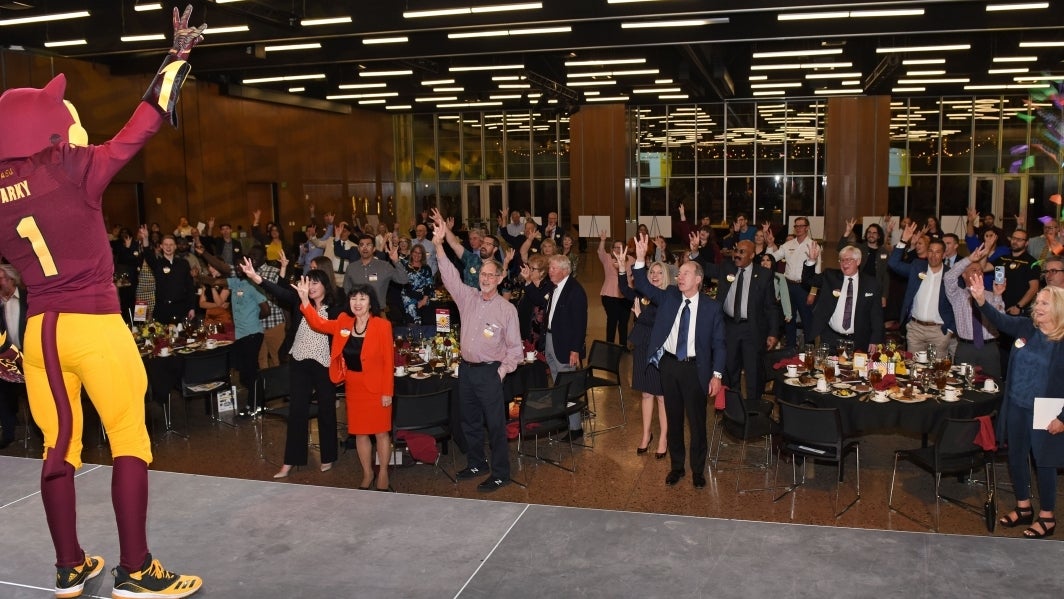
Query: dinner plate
point(877, 400)
point(844, 393)
point(916, 398)
point(186, 351)
point(798, 383)
point(399, 376)
point(862, 388)
point(415, 368)
point(224, 343)
point(842, 385)
point(420, 375)
point(943, 398)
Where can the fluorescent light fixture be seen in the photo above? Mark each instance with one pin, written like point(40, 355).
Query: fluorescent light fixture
point(1042, 44)
point(468, 34)
point(1017, 6)
point(398, 107)
point(801, 16)
point(662, 81)
point(849, 92)
point(286, 47)
point(853, 14)
point(60, 44)
point(465, 10)
point(488, 67)
point(628, 1)
point(361, 85)
point(399, 39)
point(448, 89)
point(506, 32)
point(539, 30)
point(608, 99)
point(909, 62)
point(283, 78)
point(940, 48)
point(822, 52)
point(328, 21)
point(231, 29)
point(908, 89)
point(1005, 71)
point(776, 67)
point(1038, 78)
point(436, 99)
point(656, 90)
point(505, 97)
point(758, 77)
point(364, 96)
point(144, 6)
point(398, 73)
point(941, 80)
point(143, 38)
point(778, 92)
point(775, 85)
point(674, 23)
point(296, 90)
point(924, 73)
point(514, 86)
point(596, 63)
point(1015, 58)
point(832, 75)
point(371, 102)
point(59, 16)
point(471, 104)
point(673, 97)
point(432, 82)
point(590, 83)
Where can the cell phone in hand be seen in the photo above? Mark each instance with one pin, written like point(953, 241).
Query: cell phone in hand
point(999, 275)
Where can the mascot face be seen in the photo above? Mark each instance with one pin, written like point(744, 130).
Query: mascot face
point(33, 119)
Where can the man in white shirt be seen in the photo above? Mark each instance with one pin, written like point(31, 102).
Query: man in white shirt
point(926, 308)
point(795, 252)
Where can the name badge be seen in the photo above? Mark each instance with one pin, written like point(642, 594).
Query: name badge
point(489, 330)
point(345, 332)
point(373, 277)
point(166, 270)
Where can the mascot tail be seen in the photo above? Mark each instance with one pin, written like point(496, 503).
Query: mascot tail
point(53, 462)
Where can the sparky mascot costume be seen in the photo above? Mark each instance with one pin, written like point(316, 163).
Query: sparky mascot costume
point(52, 231)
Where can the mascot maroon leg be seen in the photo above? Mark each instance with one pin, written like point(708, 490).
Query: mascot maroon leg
point(52, 182)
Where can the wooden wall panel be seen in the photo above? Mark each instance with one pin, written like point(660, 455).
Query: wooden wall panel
point(597, 164)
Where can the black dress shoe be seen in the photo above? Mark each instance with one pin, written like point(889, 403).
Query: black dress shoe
point(674, 477)
point(699, 479)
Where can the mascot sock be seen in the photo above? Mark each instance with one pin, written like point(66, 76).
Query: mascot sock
point(129, 495)
point(60, 507)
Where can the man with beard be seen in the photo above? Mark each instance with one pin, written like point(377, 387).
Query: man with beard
point(472, 261)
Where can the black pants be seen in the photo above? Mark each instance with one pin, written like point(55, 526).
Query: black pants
point(482, 404)
point(309, 377)
point(617, 310)
point(745, 351)
point(799, 295)
point(9, 396)
point(684, 396)
point(244, 358)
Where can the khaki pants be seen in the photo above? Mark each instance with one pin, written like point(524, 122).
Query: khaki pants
point(270, 352)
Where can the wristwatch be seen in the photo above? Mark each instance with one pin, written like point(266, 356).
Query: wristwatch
point(717, 375)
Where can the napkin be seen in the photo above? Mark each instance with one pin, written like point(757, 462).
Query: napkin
point(792, 361)
point(887, 382)
point(422, 447)
point(985, 437)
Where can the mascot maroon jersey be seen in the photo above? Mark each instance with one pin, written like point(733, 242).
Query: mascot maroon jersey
point(51, 191)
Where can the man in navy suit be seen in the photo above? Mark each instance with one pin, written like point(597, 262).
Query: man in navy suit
point(926, 306)
point(687, 345)
point(751, 316)
point(838, 287)
point(566, 326)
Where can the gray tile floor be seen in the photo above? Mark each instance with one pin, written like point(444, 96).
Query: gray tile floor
point(265, 539)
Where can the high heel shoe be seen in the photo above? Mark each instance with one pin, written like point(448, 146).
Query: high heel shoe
point(326, 467)
point(283, 472)
point(660, 456)
point(1033, 533)
point(1024, 516)
point(642, 450)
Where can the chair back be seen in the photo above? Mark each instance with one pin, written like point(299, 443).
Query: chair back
point(577, 381)
point(956, 436)
point(272, 383)
point(428, 410)
point(205, 368)
point(811, 425)
point(545, 404)
point(606, 357)
point(734, 407)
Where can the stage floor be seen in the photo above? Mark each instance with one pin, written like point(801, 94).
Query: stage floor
point(258, 539)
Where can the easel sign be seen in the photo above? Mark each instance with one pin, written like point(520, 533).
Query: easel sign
point(593, 226)
point(657, 225)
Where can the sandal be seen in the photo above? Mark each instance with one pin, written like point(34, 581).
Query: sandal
point(1034, 533)
point(1024, 516)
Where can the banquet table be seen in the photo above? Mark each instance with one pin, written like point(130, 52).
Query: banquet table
point(165, 372)
point(861, 415)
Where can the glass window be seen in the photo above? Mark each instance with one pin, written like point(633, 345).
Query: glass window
point(681, 132)
point(957, 135)
point(710, 153)
point(922, 193)
point(986, 113)
point(519, 196)
point(741, 137)
point(953, 196)
point(545, 192)
point(472, 153)
point(449, 144)
point(518, 146)
point(494, 157)
point(544, 146)
point(450, 199)
point(798, 191)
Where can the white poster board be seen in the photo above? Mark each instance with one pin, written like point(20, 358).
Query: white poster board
point(657, 225)
point(593, 226)
point(958, 225)
point(816, 227)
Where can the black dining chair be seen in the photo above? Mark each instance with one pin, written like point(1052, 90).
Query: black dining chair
point(604, 364)
point(577, 404)
point(811, 432)
point(269, 398)
point(745, 421)
point(206, 374)
point(425, 414)
point(544, 412)
point(952, 451)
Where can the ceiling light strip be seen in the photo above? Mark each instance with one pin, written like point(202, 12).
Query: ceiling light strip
point(674, 23)
point(938, 48)
point(1016, 6)
point(466, 10)
point(59, 16)
point(399, 39)
point(326, 21)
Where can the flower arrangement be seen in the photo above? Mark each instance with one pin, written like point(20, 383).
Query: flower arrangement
point(445, 345)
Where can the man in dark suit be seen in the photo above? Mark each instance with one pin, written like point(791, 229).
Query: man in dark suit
point(12, 325)
point(925, 311)
point(748, 293)
point(566, 327)
point(687, 345)
point(551, 229)
point(849, 306)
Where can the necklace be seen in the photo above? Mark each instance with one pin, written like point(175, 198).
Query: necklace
point(364, 327)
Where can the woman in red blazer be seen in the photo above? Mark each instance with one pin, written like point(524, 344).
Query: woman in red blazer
point(362, 357)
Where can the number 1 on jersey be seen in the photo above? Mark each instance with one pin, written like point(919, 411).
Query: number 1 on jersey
point(28, 229)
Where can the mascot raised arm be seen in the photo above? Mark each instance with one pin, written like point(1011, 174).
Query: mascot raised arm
point(52, 231)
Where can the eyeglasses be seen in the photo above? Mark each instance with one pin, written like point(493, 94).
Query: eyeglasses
point(1014, 238)
point(1049, 271)
point(796, 225)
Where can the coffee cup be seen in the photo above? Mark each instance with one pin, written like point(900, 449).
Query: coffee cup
point(950, 394)
point(792, 370)
point(921, 357)
point(400, 371)
point(164, 351)
point(530, 355)
point(881, 396)
point(211, 344)
point(821, 384)
point(990, 386)
point(801, 357)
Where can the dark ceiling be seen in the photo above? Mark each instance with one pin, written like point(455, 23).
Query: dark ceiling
point(706, 62)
